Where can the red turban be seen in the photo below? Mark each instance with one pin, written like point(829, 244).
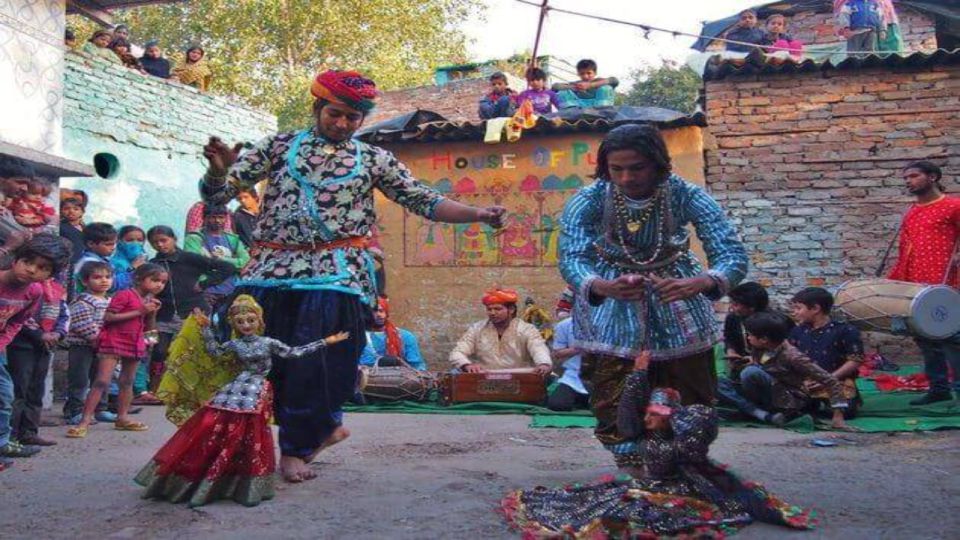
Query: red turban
point(565, 302)
point(346, 88)
point(500, 296)
point(394, 343)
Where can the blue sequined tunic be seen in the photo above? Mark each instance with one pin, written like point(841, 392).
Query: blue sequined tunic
point(591, 248)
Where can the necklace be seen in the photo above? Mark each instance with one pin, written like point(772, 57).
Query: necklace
point(622, 222)
point(620, 206)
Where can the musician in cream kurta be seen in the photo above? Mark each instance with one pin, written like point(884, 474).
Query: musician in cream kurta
point(502, 341)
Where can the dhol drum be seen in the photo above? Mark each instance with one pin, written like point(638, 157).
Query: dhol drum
point(395, 383)
point(899, 307)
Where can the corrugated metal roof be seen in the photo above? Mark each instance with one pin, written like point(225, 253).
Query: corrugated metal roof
point(426, 126)
point(758, 64)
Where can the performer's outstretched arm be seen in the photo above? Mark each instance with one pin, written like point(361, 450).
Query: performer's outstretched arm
point(449, 211)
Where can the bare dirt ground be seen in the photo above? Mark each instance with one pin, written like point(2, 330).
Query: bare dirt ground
point(420, 476)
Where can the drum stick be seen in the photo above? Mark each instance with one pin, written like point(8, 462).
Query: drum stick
point(886, 254)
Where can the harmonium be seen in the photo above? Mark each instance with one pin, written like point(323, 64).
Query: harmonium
point(512, 385)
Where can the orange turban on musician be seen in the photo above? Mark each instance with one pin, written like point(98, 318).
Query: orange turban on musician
point(348, 88)
point(500, 296)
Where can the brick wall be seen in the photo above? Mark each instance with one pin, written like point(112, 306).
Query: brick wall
point(918, 30)
point(155, 128)
point(808, 165)
point(456, 100)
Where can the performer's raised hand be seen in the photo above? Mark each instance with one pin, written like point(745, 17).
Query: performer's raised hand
point(492, 215)
point(336, 338)
point(202, 320)
point(220, 156)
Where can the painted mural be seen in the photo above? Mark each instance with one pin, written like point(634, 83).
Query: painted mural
point(533, 183)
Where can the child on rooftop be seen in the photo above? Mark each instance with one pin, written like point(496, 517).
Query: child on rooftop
point(590, 90)
point(778, 39)
point(746, 32)
point(543, 100)
point(499, 102)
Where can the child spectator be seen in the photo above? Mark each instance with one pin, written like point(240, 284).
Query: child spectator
point(32, 209)
point(29, 355)
point(99, 46)
point(193, 69)
point(500, 102)
point(245, 218)
point(777, 38)
point(21, 293)
point(590, 90)
point(153, 61)
point(214, 242)
point(130, 314)
point(122, 31)
point(129, 253)
point(543, 100)
point(126, 259)
point(861, 23)
point(71, 225)
point(183, 292)
point(86, 320)
point(773, 386)
point(834, 346)
point(746, 32)
point(100, 240)
point(745, 300)
point(121, 47)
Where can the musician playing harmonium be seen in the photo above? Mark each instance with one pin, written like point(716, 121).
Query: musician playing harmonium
point(502, 341)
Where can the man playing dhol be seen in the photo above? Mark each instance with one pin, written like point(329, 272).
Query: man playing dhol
point(625, 249)
point(930, 254)
point(312, 272)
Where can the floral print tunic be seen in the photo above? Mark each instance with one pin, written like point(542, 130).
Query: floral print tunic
point(318, 192)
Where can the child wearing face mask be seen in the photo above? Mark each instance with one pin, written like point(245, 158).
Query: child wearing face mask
point(129, 254)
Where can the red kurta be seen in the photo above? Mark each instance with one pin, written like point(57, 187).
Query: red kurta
point(928, 239)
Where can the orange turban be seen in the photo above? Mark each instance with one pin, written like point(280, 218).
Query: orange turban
point(500, 296)
point(346, 88)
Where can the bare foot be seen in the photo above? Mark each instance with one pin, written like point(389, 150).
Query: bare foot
point(293, 469)
point(338, 435)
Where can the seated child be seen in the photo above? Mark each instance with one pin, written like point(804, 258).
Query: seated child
point(777, 38)
point(500, 101)
point(774, 385)
point(834, 346)
point(746, 32)
point(745, 300)
point(589, 91)
point(543, 100)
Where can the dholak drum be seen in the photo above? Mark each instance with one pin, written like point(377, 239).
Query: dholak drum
point(898, 307)
point(396, 383)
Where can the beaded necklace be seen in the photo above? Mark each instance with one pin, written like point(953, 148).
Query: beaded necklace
point(623, 221)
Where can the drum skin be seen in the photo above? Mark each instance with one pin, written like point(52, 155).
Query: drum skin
point(399, 383)
point(900, 307)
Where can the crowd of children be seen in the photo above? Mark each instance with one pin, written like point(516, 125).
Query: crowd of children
point(866, 26)
point(779, 368)
point(115, 47)
point(588, 91)
point(92, 291)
